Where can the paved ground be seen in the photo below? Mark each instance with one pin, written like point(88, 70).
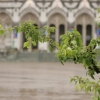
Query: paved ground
point(39, 81)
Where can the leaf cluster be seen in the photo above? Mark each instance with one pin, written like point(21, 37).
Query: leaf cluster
point(88, 86)
point(35, 34)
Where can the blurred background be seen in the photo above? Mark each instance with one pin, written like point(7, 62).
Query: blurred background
point(35, 73)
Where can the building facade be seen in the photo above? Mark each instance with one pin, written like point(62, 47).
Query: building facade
point(62, 14)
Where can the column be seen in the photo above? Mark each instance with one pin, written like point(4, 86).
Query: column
point(57, 33)
point(66, 28)
point(84, 35)
point(93, 31)
point(21, 41)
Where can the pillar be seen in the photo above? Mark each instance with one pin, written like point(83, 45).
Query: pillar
point(57, 33)
point(84, 35)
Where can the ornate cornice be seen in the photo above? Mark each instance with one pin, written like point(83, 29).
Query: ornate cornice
point(12, 1)
point(70, 3)
point(12, 6)
point(44, 3)
point(94, 4)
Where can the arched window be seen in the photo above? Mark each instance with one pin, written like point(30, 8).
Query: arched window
point(88, 34)
point(61, 31)
point(79, 29)
point(6, 21)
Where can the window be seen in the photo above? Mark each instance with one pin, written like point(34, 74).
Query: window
point(52, 35)
point(61, 31)
point(88, 34)
point(79, 29)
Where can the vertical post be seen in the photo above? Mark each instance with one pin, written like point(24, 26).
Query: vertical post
point(66, 28)
point(84, 35)
point(57, 33)
point(93, 31)
point(21, 41)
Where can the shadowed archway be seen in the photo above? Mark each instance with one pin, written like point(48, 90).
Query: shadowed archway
point(85, 24)
point(6, 21)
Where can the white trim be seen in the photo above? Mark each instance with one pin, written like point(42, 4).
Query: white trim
point(56, 10)
point(6, 12)
point(29, 10)
point(82, 11)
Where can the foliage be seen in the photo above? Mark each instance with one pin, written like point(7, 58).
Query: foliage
point(88, 86)
point(34, 34)
point(70, 48)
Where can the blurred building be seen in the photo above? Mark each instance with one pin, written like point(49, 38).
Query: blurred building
point(63, 14)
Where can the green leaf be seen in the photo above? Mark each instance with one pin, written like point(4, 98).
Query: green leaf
point(34, 43)
point(10, 29)
point(62, 62)
point(73, 42)
point(69, 51)
point(2, 32)
point(99, 97)
point(99, 90)
point(82, 86)
point(50, 48)
point(98, 10)
point(88, 88)
point(17, 29)
point(1, 26)
point(71, 80)
point(26, 44)
point(64, 52)
point(76, 87)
